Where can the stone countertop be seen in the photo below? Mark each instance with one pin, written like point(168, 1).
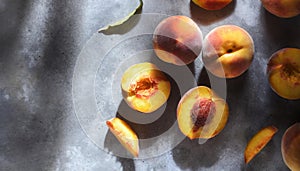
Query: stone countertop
point(40, 42)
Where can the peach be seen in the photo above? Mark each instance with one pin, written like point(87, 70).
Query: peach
point(144, 87)
point(177, 40)
point(201, 113)
point(125, 135)
point(228, 51)
point(282, 8)
point(212, 4)
point(258, 142)
point(283, 72)
point(290, 147)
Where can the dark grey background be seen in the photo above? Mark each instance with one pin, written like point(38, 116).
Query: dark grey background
point(39, 44)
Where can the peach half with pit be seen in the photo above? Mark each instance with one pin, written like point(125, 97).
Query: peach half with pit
point(145, 88)
point(282, 8)
point(177, 40)
point(290, 147)
point(228, 51)
point(201, 113)
point(212, 4)
point(283, 72)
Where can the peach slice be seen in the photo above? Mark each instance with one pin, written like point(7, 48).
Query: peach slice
point(282, 8)
point(290, 147)
point(284, 73)
point(258, 142)
point(126, 136)
point(228, 51)
point(177, 40)
point(201, 113)
point(144, 87)
point(212, 4)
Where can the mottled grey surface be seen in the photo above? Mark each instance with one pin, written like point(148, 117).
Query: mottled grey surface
point(40, 41)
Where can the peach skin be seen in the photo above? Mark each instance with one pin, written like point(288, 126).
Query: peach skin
point(228, 51)
point(212, 4)
point(177, 40)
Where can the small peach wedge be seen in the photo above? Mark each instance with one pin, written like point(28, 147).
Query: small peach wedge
point(290, 147)
point(212, 4)
point(126, 136)
point(177, 40)
point(201, 113)
point(144, 87)
point(283, 72)
point(258, 142)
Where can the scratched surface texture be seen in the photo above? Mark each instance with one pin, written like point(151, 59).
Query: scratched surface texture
point(39, 45)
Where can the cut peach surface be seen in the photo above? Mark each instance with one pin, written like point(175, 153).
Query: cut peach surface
point(258, 142)
point(177, 40)
point(126, 136)
point(201, 113)
point(290, 147)
point(284, 73)
point(144, 87)
point(212, 4)
point(228, 51)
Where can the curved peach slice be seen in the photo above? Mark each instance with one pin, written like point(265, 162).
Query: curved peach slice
point(177, 40)
point(258, 142)
point(290, 147)
point(284, 73)
point(125, 135)
point(201, 113)
point(145, 88)
point(228, 51)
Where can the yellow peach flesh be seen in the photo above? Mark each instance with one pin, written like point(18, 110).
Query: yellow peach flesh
point(258, 142)
point(145, 88)
point(216, 121)
point(125, 135)
point(284, 73)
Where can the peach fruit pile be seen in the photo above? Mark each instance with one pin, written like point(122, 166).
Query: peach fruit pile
point(227, 52)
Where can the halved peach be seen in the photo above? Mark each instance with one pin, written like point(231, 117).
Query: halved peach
point(284, 73)
point(201, 113)
point(212, 4)
point(290, 147)
point(126, 136)
point(258, 142)
point(177, 40)
point(144, 87)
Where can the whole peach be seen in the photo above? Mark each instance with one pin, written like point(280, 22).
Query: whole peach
point(177, 40)
point(282, 8)
point(228, 51)
point(212, 4)
point(290, 147)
